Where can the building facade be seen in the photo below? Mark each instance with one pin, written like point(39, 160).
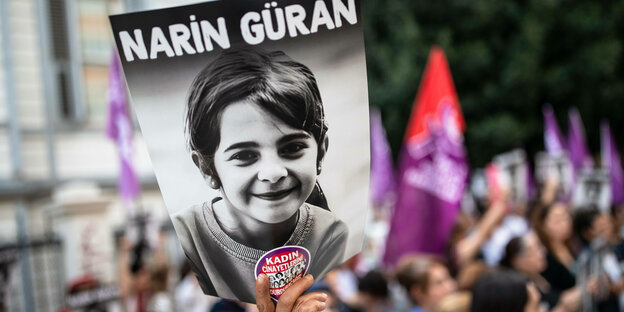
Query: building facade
point(59, 205)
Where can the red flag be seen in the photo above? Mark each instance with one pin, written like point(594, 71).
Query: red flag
point(433, 169)
point(435, 91)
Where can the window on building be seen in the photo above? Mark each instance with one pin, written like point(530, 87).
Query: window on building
point(81, 44)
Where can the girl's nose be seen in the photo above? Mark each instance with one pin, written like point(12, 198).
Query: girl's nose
point(272, 171)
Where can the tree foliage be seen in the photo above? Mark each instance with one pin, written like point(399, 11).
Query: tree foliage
point(507, 59)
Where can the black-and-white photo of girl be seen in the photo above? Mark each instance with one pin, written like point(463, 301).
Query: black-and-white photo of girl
point(257, 133)
point(254, 146)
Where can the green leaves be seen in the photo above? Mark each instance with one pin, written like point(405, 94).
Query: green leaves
point(507, 59)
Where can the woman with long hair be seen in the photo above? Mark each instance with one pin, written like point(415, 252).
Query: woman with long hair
point(553, 225)
point(526, 255)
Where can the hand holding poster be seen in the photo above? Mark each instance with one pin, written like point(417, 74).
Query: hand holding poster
point(555, 168)
point(513, 174)
point(238, 103)
point(283, 266)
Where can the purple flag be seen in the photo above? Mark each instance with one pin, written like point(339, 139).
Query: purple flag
point(577, 145)
point(119, 128)
point(383, 185)
point(553, 139)
point(611, 161)
point(433, 170)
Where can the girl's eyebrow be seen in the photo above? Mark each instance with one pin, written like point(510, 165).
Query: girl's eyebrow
point(241, 145)
point(295, 136)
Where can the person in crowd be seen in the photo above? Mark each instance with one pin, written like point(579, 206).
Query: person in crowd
point(343, 280)
point(226, 305)
point(456, 302)
point(159, 299)
point(333, 303)
point(514, 223)
point(551, 189)
point(527, 256)
point(553, 225)
point(617, 240)
point(134, 275)
point(426, 281)
point(143, 270)
point(372, 294)
point(469, 235)
point(596, 264)
point(467, 277)
point(188, 294)
point(616, 237)
point(505, 291)
point(590, 226)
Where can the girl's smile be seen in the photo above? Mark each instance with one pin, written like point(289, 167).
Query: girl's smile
point(275, 195)
point(267, 168)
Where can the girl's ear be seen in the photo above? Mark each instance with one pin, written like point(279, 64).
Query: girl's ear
point(200, 163)
point(197, 161)
point(322, 149)
point(205, 170)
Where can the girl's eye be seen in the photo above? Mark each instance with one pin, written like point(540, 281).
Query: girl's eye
point(292, 149)
point(245, 156)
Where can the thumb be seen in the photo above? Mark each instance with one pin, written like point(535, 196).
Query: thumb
point(263, 298)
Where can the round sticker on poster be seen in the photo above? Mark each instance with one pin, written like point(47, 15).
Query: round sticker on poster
point(284, 266)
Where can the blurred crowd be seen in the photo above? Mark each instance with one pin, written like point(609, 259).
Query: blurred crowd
point(542, 255)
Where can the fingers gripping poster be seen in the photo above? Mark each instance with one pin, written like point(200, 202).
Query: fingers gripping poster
point(255, 115)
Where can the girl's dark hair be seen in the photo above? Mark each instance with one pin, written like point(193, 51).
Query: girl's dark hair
point(504, 291)
point(281, 86)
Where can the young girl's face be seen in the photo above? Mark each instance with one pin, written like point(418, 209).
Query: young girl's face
point(267, 168)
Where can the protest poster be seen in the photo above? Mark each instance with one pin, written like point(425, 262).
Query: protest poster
point(592, 190)
point(255, 116)
point(559, 168)
point(513, 174)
